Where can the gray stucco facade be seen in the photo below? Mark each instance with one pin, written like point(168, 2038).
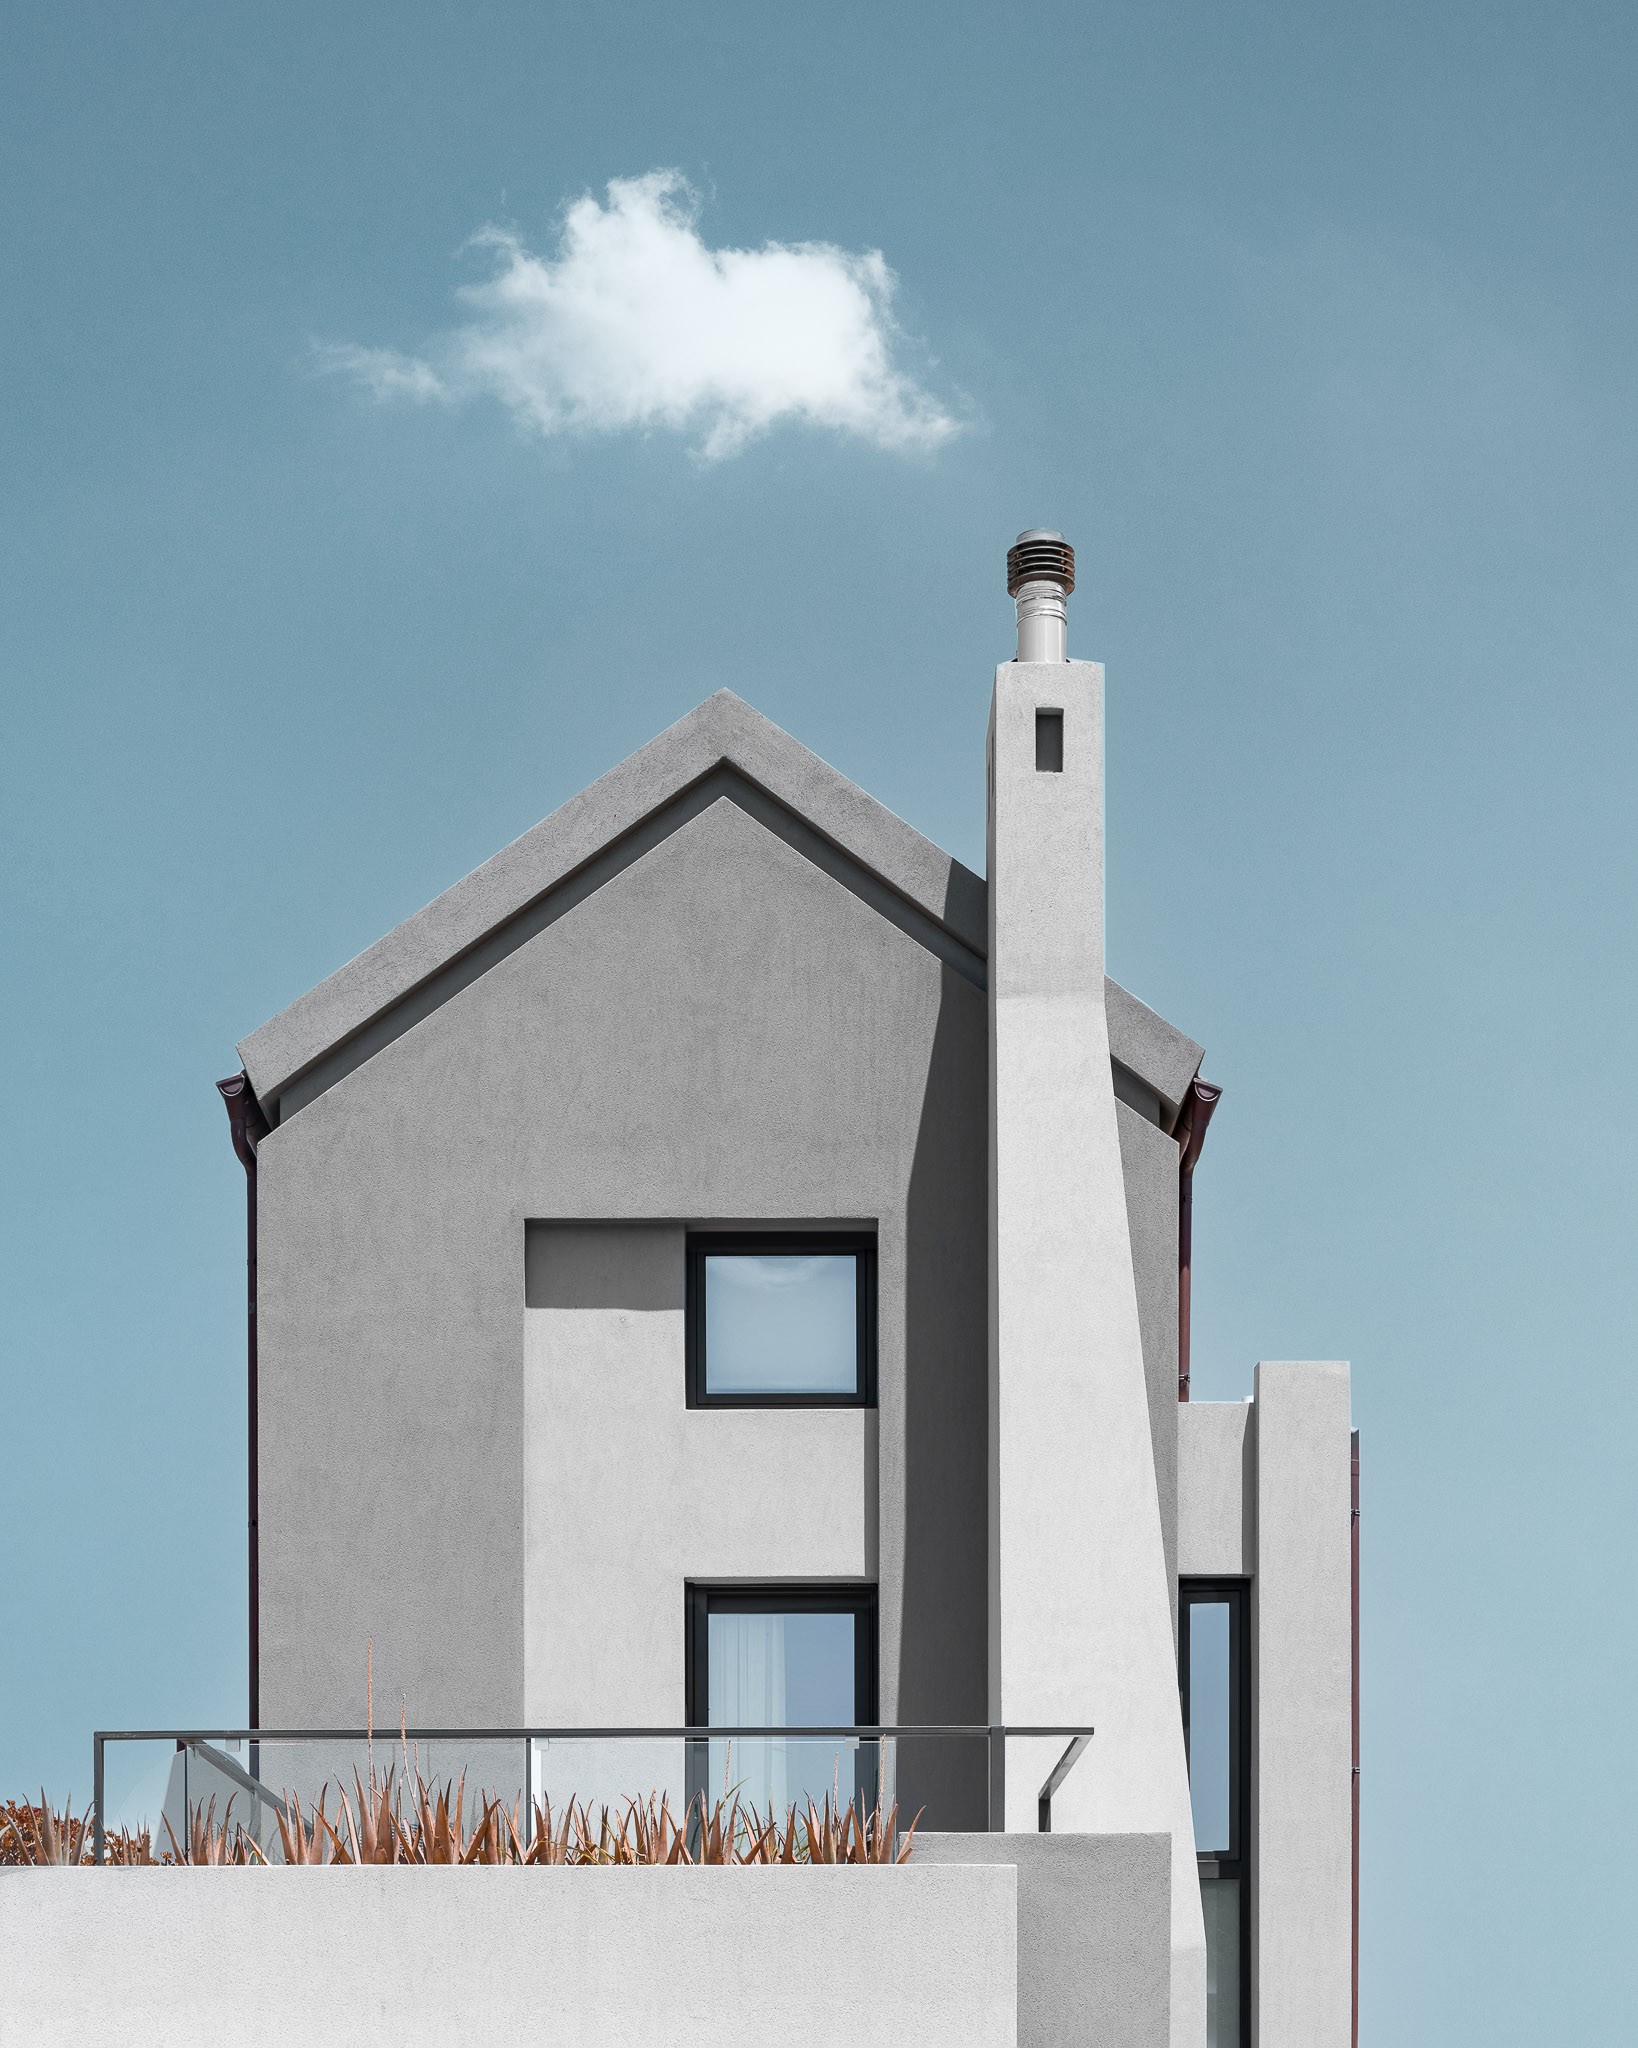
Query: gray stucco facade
point(724, 989)
point(721, 1031)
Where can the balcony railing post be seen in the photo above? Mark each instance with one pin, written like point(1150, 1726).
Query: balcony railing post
point(1055, 1777)
point(97, 1836)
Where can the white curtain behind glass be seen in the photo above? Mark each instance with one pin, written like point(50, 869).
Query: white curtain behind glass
point(747, 1663)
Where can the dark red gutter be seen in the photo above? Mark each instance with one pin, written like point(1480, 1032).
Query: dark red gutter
point(249, 1127)
point(1353, 1576)
point(1202, 1098)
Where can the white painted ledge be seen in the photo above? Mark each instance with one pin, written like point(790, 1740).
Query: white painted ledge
point(912, 1957)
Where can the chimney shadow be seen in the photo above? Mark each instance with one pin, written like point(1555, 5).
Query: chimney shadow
point(943, 1644)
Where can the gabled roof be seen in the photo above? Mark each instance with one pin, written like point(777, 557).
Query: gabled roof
point(721, 748)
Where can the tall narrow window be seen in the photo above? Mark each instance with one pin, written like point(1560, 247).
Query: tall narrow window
point(1213, 1672)
point(781, 1319)
point(785, 1657)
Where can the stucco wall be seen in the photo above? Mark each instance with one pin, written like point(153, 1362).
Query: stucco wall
point(1303, 1715)
point(1081, 1593)
point(398, 1958)
point(1094, 1933)
point(567, 853)
point(1216, 1489)
point(723, 1031)
point(1149, 1171)
point(723, 1494)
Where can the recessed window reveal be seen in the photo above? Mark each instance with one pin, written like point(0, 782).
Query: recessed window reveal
point(1049, 742)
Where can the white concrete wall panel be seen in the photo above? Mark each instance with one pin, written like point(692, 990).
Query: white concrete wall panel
point(1216, 1490)
point(1094, 1933)
point(1081, 1600)
point(422, 1958)
point(629, 1493)
point(1303, 1719)
point(1149, 1168)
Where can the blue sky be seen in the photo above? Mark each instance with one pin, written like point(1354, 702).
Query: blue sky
point(1314, 329)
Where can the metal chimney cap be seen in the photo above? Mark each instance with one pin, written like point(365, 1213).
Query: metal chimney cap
point(1040, 555)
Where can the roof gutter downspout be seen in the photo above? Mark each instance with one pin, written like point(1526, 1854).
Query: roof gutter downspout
point(249, 1127)
point(1202, 1098)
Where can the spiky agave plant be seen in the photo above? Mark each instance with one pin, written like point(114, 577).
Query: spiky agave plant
point(435, 1832)
point(41, 1837)
point(556, 1838)
point(209, 1844)
point(372, 1836)
point(842, 1835)
point(656, 1838)
point(307, 1838)
point(131, 1848)
point(405, 1820)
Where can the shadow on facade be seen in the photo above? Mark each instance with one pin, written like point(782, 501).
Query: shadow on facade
point(943, 1644)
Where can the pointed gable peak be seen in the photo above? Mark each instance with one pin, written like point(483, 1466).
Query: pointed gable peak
point(459, 933)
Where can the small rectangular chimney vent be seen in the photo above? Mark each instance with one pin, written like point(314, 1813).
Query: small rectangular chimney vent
point(1049, 742)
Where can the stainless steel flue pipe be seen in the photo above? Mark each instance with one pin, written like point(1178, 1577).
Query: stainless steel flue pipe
point(1040, 576)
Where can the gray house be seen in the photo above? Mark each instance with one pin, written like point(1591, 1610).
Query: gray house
point(723, 1263)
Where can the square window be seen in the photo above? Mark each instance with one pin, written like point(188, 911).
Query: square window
point(781, 1320)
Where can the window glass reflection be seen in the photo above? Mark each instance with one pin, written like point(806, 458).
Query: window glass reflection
point(782, 1323)
point(772, 1670)
point(1220, 1899)
point(1209, 1726)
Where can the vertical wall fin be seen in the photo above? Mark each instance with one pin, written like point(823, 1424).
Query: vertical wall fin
point(1079, 1596)
point(1304, 1739)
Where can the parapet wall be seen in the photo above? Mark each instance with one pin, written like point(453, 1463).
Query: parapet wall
point(1094, 1933)
point(915, 1957)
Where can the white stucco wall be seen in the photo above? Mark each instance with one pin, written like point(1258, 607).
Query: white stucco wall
point(1303, 1717)
point(416, 1958)
point(1216, 1490)
point(1080, 1593)
point(1094, 1933)
point(629, 1494)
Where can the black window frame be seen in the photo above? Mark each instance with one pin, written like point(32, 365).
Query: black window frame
point(704, 1244)
point(763, 1597)
point(1236, 1863)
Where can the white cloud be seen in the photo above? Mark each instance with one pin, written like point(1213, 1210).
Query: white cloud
point(383, 372)
point(635, 323)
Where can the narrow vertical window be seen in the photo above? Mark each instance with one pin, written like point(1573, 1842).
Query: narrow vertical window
point(1213, 1674)
point(1049, 742)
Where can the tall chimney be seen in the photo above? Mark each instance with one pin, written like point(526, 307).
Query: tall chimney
point(1040, 576)
point(1080, 1601)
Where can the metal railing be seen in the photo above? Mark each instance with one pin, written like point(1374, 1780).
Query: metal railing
point(994, 1736)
